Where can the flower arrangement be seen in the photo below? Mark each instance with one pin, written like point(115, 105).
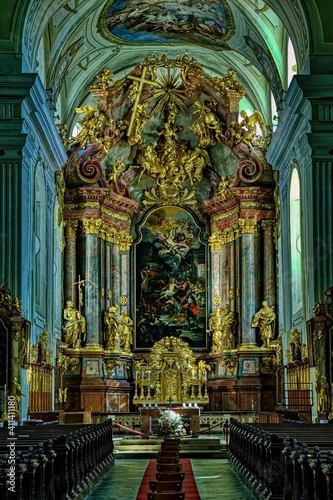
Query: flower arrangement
point(170, 424)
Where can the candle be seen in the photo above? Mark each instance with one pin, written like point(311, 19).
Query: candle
point(143, 374)
point(148, 375)
point(192, 372)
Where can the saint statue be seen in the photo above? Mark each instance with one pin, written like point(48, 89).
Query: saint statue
point(17, 393)
point(125, 331)
point(111, 334)
point(323, 392)
point(74, 326)
point(265, 320)
point(228, 328)
point(215, 328)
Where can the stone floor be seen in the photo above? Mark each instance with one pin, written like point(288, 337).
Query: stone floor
point(214, 477)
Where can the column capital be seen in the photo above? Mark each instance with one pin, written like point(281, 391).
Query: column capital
point(70, 227)
point(268, 227)
point(91, 226)
point(249, 226)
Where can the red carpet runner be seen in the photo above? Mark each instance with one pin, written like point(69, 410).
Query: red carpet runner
point(189, 487)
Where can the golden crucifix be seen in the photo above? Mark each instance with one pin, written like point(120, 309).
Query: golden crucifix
point(80, 284)
point(142, 81)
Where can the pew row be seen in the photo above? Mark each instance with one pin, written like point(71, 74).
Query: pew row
point(54, 462)
point(283, 461)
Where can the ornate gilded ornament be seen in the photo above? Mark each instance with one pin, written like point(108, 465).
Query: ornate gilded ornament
point(171, 374)
point(224, 189)
point(229, 363)
point(111, 364)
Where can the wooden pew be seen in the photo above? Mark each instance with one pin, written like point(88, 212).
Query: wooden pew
point(162, 486)
point(286, 461)
point(55, 461)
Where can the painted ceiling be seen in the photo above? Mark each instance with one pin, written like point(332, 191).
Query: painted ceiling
point(69, 43)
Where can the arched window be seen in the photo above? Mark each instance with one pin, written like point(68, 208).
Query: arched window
point(295, 242)
point(292, 66)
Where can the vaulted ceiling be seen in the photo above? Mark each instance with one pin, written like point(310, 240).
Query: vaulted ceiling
point(69, 42)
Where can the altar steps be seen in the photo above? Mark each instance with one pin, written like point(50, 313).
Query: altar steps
point(189, 448)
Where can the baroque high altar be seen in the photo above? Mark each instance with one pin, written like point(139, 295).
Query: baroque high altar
point(169, 252)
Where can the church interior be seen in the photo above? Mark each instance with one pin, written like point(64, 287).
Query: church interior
point(166, 217)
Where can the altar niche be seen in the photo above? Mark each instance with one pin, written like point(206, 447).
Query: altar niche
point(171, 269)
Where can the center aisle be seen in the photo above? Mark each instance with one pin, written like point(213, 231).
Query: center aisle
point(189, 486)
point(214, 478)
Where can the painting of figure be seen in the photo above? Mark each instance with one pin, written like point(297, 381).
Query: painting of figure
point(171, 279)
point(208, 23)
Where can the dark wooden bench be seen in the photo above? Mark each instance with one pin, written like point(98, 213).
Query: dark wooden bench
point(55, 461)
point(284, 461)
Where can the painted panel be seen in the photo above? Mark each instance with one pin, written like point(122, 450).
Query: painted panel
point(208, 24)
point(171, 280)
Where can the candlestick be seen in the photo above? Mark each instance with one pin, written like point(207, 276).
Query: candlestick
point(143, 374)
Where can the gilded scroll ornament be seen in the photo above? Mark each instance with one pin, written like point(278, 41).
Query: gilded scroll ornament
point(224, 189)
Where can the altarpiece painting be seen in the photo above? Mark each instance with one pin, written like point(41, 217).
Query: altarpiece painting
point(170, 279)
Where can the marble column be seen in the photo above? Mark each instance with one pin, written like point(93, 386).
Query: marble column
point(116, 273)
point(92, 281)
point(70, 261)
point(216, 259)
point(124, 278)
point(108, 273)
point(250, 278)
point(225, 266)
point(269, 272)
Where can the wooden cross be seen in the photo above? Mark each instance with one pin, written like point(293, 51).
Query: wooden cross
point(142, 81)
point(79, 284)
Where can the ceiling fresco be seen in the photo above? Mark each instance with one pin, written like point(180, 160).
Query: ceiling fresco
point(208, 24)
point(68, 43)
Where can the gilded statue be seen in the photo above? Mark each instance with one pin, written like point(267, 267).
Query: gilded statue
point(323, 392)
point(202, 370)
point(228, 82)
point(106, 77)
point(295, 344)
point(246, 130)
point(215, 329)
point(125, 324)
point(17, 393)
point(264, 319)
point(90, 124)
point(228, 328)
point(74, 326)
point(62, 395)
point(111, 334)
point(207, 126)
